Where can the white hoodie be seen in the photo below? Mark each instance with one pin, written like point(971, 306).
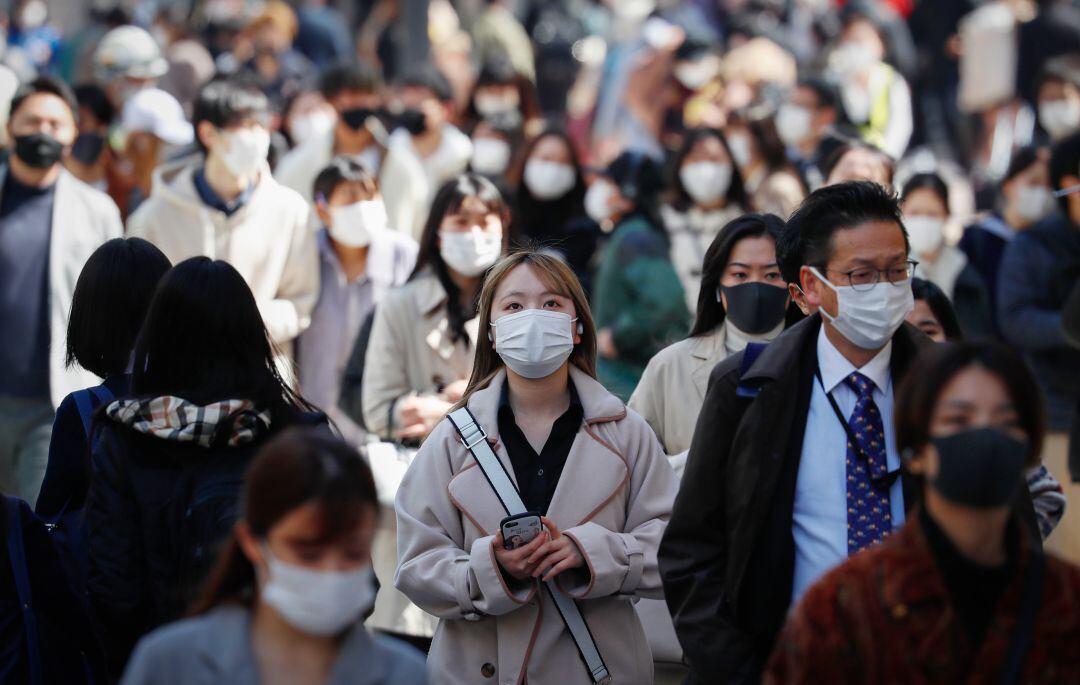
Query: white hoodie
point(268, 241)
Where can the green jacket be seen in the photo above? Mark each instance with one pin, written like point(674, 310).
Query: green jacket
point(637, 294)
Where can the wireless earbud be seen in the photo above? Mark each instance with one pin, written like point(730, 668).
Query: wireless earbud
point(580, 329)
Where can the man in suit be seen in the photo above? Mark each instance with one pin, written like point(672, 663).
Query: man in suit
point(793, 465)
point(50, 223)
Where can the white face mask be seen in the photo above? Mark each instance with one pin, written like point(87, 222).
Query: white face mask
point(740, 149)
point(793, 124)
point(354, 225)
point(1059, 117)
point(598, 201)
point(548, 180)
point(322, 603)
point(245, 150)
point(925, 234)
point(534, 343)
point(1034, 202)
point(856, 102)
point(490, 156)
point(472, 253)
point(869, 318)
point(706, 182)
point(310, 126)
point(493, 105)
point(694, 75)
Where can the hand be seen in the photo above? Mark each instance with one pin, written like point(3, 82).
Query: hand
point(516, 561)
point(559, 554)
point(454, 392)
point(418, 415)
point(605, 343)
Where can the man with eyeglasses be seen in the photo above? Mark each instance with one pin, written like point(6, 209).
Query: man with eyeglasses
point(793, 465)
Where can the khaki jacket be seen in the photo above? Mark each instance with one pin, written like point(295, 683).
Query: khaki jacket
point(613, 500)
point(410, 351)
point(672, 389)
point(268, 240)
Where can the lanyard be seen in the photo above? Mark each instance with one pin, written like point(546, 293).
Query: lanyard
point(880, 482)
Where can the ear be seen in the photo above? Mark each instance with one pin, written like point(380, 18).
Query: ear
point(796, 294)
point(810, 286)
point(207, 133)
point(249, 545)
point(324, 213)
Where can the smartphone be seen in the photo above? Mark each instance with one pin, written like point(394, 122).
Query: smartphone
point(520, 529)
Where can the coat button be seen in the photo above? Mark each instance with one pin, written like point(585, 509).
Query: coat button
point(900, 611)
point(487, 670)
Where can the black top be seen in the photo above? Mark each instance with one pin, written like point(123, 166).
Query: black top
point(25, 232)
point(538, 474)
point(214, 201)
point(974, 589)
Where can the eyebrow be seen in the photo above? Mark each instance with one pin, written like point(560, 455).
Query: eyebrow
point(518, 293)
point(750, 266)
point(967, 404)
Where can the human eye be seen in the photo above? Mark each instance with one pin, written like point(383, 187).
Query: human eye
point(772, 276)
point(862, 276)
point(512, 306)
point(552, 303)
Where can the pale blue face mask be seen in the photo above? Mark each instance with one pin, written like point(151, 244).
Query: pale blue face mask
point(869, 318)
point(322, 603)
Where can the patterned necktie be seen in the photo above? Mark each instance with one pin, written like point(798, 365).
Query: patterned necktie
point(869, 513)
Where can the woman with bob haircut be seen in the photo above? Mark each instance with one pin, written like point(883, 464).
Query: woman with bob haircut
point(293, 583)
point(963, 592)
point(593, 470)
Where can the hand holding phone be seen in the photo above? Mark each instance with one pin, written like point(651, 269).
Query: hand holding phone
point(520, 529)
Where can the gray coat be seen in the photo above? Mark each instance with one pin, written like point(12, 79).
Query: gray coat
point(215, 648)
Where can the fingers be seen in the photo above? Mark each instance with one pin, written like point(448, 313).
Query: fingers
point(552, 528)
point(416, 430)
point(564, 565)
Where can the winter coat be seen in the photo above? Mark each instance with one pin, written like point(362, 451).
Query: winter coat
point(215, 648)
point(962, 284)
point(884, 616)
point(613, 499)
point(143, 570)
point(1038, 272)
point(268, 240)
point(410, 351)
point(637, 295)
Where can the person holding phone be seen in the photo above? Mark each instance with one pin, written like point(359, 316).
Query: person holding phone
point(592, 470)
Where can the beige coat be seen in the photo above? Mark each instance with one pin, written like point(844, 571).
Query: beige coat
point(268, 240)
point(613, 500)
point(410, 351)
point(672, 389)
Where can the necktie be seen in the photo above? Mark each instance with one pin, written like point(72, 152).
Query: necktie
point(869, 514)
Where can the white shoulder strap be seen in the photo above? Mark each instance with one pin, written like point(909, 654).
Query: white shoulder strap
point(474, 438)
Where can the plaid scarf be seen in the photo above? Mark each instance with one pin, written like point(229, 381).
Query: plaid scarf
point(173, 418)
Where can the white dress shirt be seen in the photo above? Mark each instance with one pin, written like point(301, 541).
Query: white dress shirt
point(819, 524)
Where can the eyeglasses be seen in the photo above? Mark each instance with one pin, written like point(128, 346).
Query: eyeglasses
point(866, 278)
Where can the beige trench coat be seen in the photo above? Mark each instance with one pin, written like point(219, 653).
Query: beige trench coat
point(613, 500)
point(672, 389)
point(410, 351)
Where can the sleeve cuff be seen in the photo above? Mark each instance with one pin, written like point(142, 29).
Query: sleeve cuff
point(499, 594)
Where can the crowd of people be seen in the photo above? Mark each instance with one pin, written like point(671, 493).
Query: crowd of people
point(562, 341)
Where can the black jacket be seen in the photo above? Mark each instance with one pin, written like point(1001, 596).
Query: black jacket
point(728, 555)
point(142, 569)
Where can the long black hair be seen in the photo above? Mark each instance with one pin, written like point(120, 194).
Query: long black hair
point(681, 200)
point(448, 200)
point(110, 303)
point(710, 313)
point(204, 341)
point(541, 220)
point(939, 304)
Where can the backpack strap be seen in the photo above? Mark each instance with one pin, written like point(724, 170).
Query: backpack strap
point(17, 556)
point(474, 438)
point(750, 355)
point(87, 401)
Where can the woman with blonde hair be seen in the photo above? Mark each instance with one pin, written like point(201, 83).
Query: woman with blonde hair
point(593, 471)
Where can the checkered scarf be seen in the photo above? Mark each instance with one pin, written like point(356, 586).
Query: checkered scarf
point(173, 418)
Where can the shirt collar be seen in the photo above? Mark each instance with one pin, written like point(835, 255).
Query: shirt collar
point(504, 396)
point(211, 199)
point(835, 367)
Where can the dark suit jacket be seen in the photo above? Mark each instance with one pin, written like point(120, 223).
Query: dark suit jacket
point(727, 557)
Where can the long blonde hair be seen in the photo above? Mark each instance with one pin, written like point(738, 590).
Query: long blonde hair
point(557, 276)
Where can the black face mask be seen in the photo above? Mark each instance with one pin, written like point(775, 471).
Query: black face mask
point(87, 147)
point(413, 121)
point(39, 150)
point(755, 308)
point(356, 118)
point(979, 468)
